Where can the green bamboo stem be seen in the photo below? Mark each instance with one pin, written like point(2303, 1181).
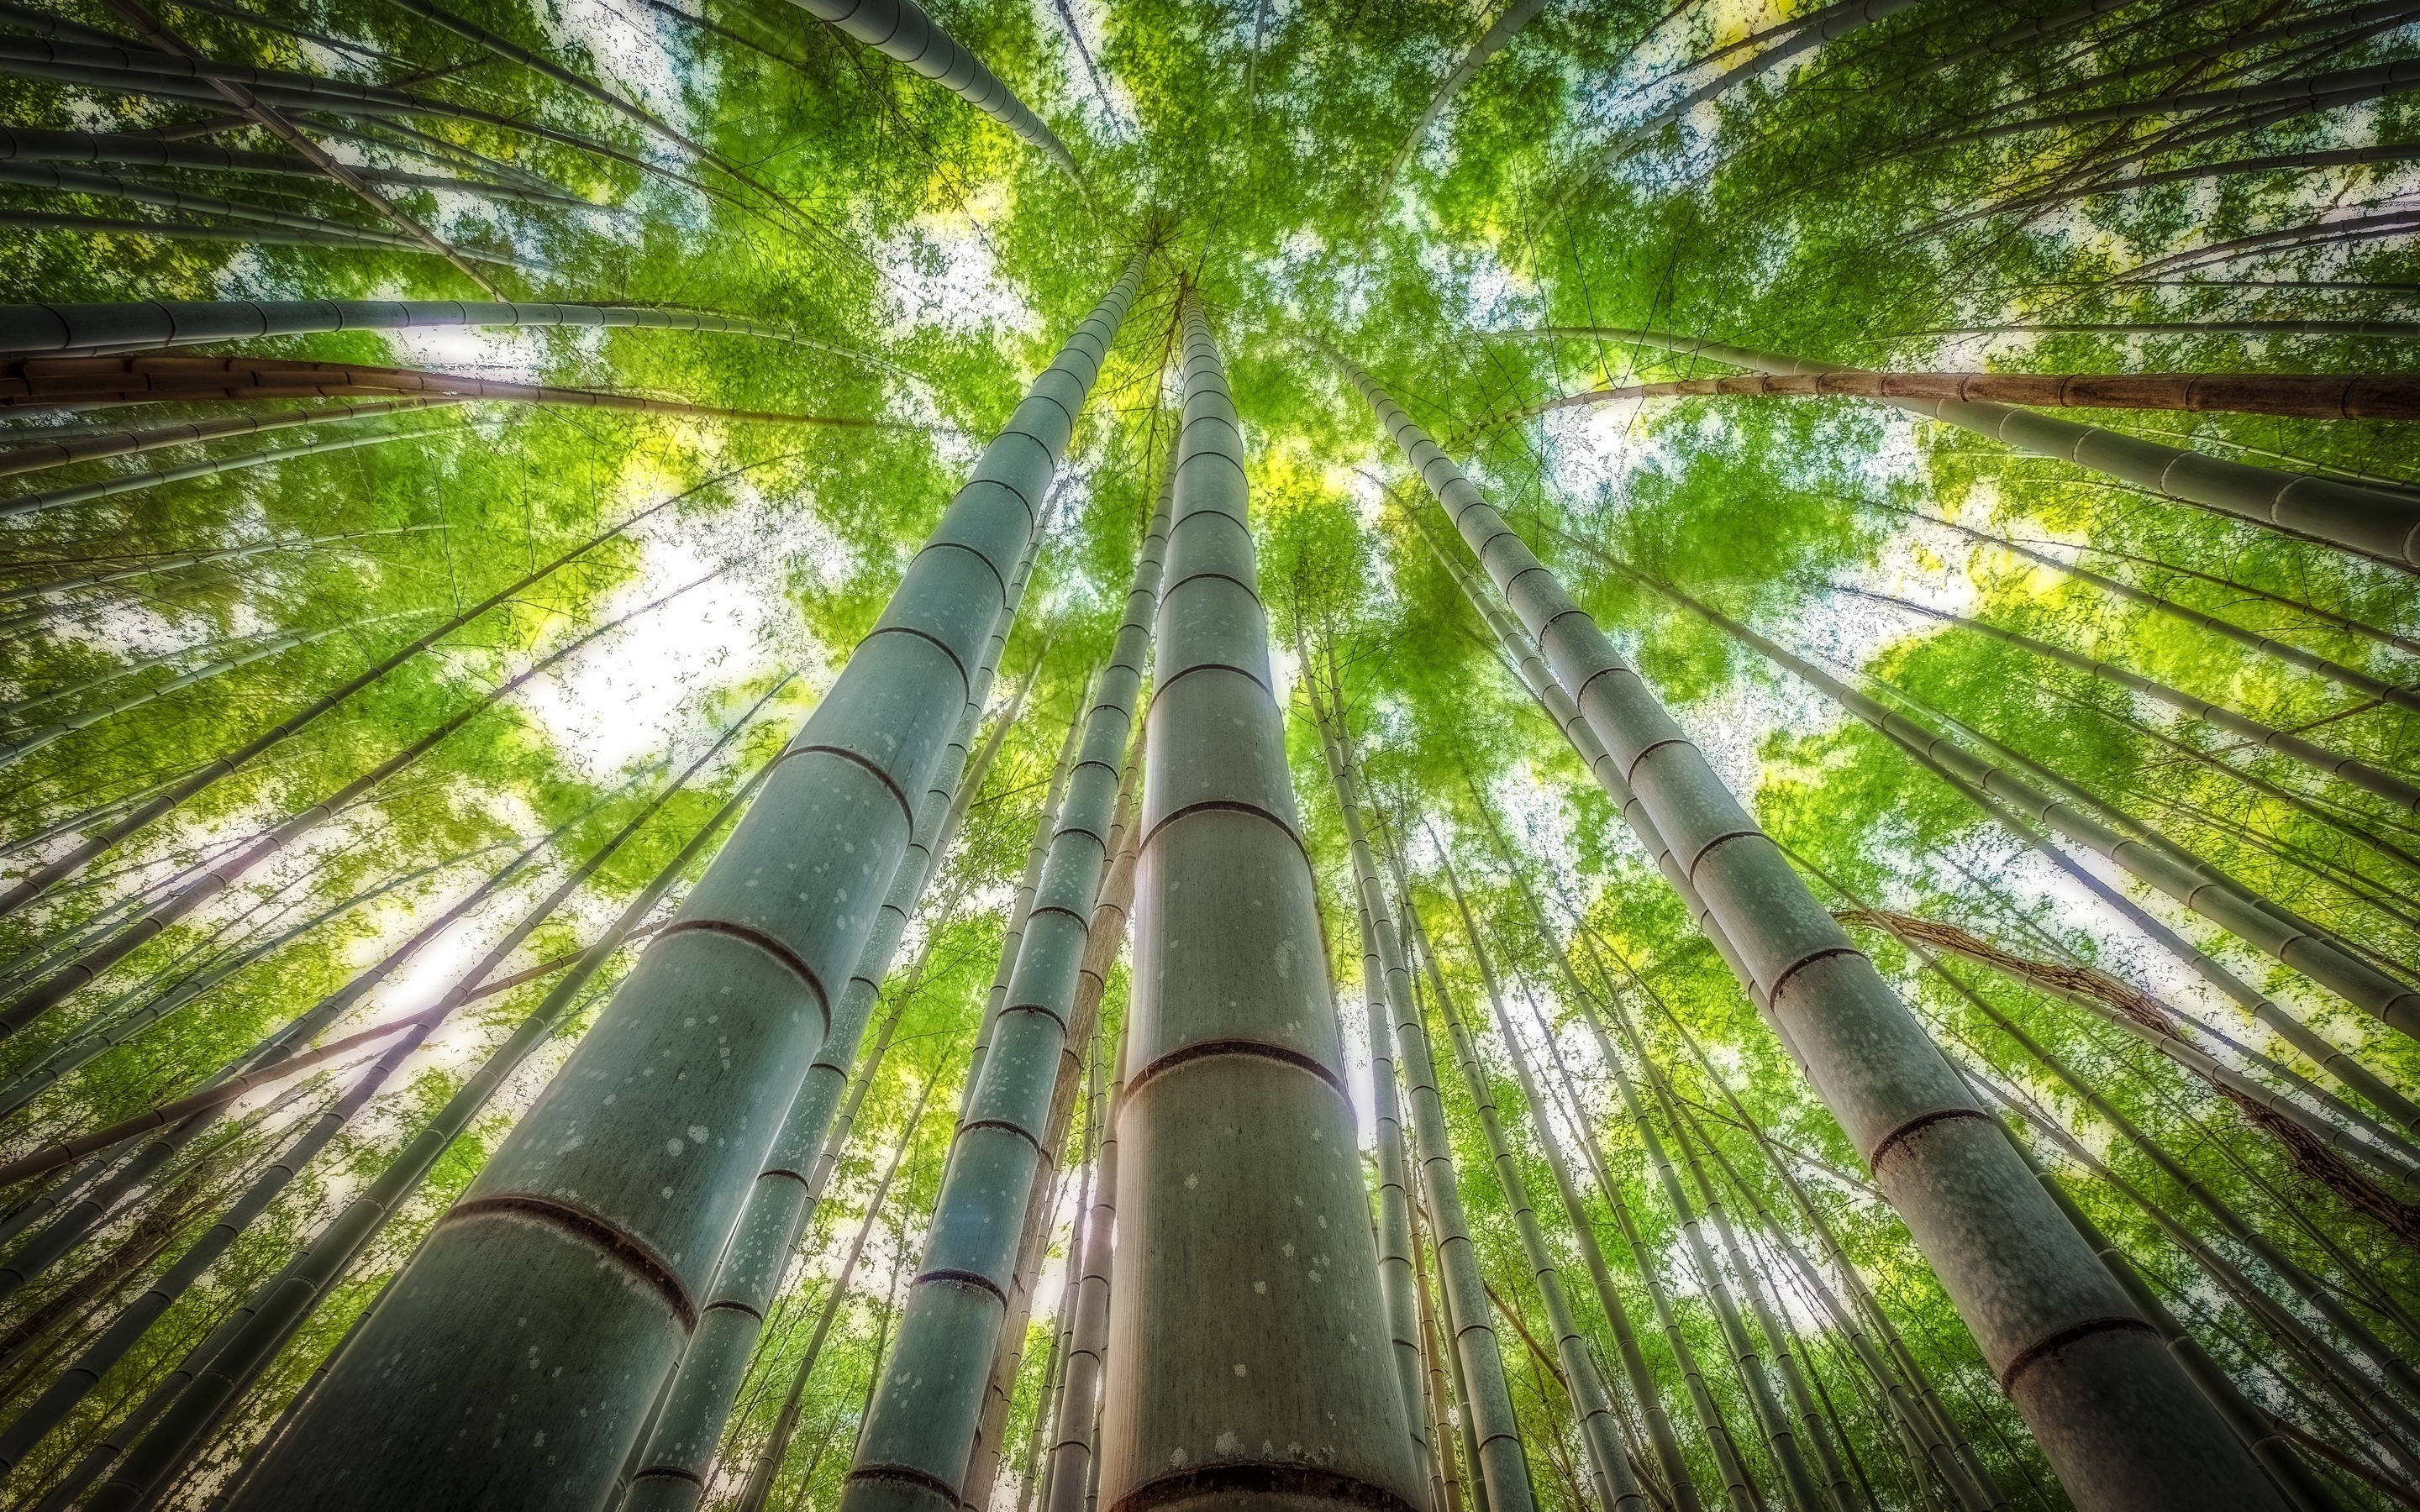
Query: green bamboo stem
point(1608, 1459)
point(117, 487)
point(1400, 1287)
point(601, 1224)
point(2337, 673)
point(674, 1462)
point(1270, 1373)
point(759, 1486)
point(123, 1334)
point(1498, 1461)
point(1781, 1437)
point(140, 1460)
point(2344, 768)
point(2364, 520)
point(175, 792)
point(2109, 1407)
point(29, 1003)
point(2358, 982)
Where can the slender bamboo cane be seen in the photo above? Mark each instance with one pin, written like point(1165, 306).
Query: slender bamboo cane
point(1051, 1408)
point(102, 330)
point(1730, 1464)
point(1834, 1484)
point(920, 1443)
point(1608, 1461)
point(250, 103)
point(1020, 908)
point(2359, 519)
point(2344, 768)
point(2334, 671)
point(1780, 1438)
point(1068, 1474)
point(142, 1457)
point(1441, 1436)
point(600, 1224)
point(1238, 1369)
point(2356, 980)
point(135, 149)
point(20, 746)
point(1104, 935)
point(672, 1468)
point(1499, 35)
point(2310, 396)
point(2276, 1452)
point(2309, 1288)
point(1396, 1262)
point(16, 595)
point(1923, 1423)
point(901, 31)
point(1105, 932)
point(50, 382)
point(1680, 1485)
point(1498, 1463)
point(2144, 1019)
point(776, 1447)
point(29, 1003)
point(175, 792)
point(2110, 1408)
point(118, 488)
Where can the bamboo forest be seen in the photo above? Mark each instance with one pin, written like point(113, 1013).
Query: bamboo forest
point(1210, 755)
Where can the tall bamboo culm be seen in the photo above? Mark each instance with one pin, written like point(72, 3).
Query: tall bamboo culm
point(928, 1409)
point(2112, 1412)
point(592, 1235)
point(1398, 1279)
point(1248, 1347)
point(672, 1468)
point(1609, 1458)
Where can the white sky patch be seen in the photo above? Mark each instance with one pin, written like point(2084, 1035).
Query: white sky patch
point(634, 59)
point(626, 695)
point(964, 294)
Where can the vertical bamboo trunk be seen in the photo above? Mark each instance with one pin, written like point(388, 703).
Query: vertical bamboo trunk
point(2315, 1292)
point(2364, 1406)
point(129, 1327)
point(2277, 1455)
point(920, 1441)
point(1608, 1461)
point(30, 1002)
point(2109, 1406)
point(768, 1468)
point(1104, 936)
point(590, 1234)
point(1249, 1360)
point(1020, 908)
point(1070, 1477)
point(2348, 677)
point(1665, 1444)
point(901, 31)
point(1087, 1242)
point(1446, 1469)
point(2345, 768)
point(1834, 1478)
point(1394, 1232)
point(680, 1453)
point(1775, 1423)
point(1498, 1463)
point(155, 1440)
